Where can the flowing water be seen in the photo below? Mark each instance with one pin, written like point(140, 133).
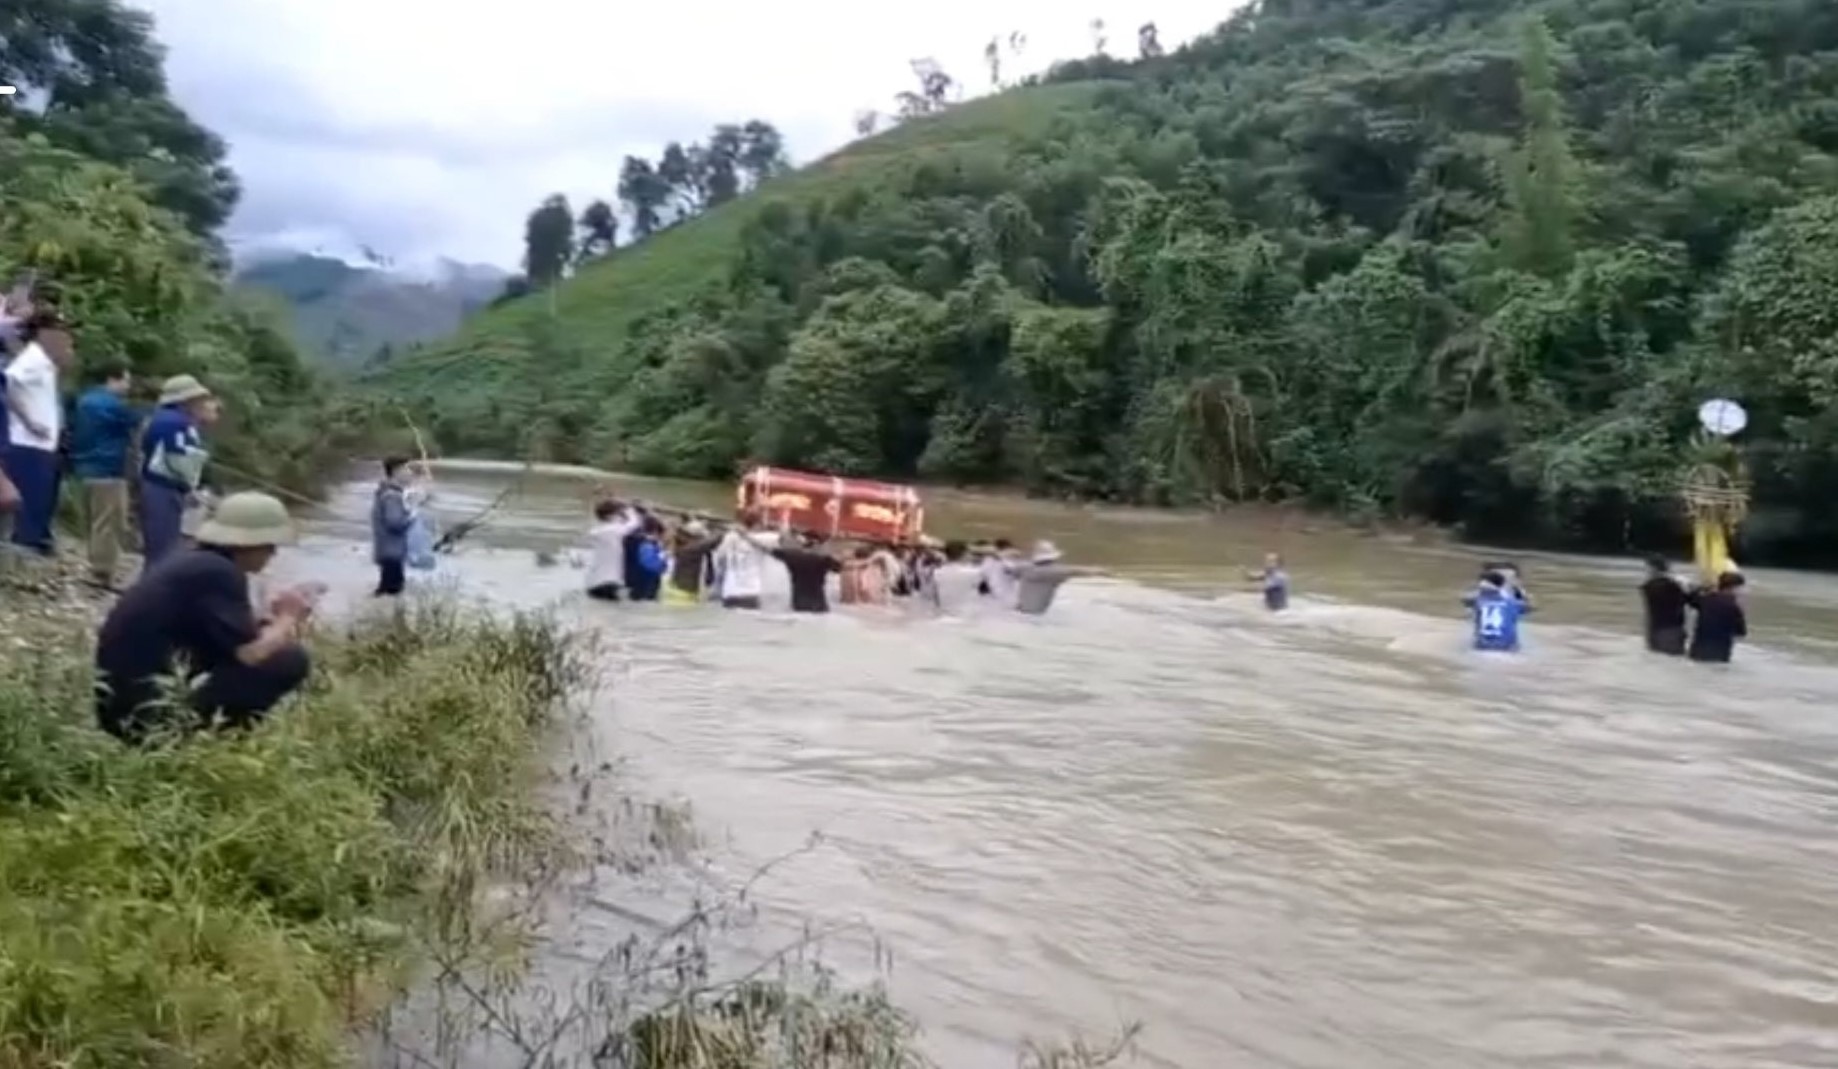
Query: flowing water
point(1323, 839)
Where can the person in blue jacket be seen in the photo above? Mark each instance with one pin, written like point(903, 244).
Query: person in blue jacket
point(172, 464)
point(101, 433)
point(1496, 608)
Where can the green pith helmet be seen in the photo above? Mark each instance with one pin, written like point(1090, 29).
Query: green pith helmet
point(246, 521)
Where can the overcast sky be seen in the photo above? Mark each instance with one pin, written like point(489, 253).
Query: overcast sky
point(427, 127)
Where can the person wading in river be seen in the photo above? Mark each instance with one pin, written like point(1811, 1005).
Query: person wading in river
point(689, 563)
point(864, 580)
point(1275, 582)
point(645, 560)
point(956, 583)
point(1037, 582)
point(606, 544)
point(740, 559)
point(998, 573)
point(810, 569)
point(190, 616)
point(1496, 608)
point(1664, 598)
point(390, 519)
point(1721, 620)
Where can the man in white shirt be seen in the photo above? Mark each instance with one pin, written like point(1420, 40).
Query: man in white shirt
point(740, 563)
point(35, 421)
point(999, 580)
point(606, 569)
point(955, 582)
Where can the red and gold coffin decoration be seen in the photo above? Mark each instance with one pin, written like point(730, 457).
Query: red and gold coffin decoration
point(833, 506)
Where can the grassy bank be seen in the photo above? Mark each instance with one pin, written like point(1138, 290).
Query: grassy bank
point(248, 902)
point(290, 898)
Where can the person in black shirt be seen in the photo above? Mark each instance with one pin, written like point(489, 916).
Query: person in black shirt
point(190, 615)
point(810, 570)
point(1665, 603)
point(1721, 620)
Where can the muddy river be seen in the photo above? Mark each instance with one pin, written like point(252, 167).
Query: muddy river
point(1327, 839)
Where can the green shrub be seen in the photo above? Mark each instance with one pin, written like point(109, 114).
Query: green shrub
point(244, 901)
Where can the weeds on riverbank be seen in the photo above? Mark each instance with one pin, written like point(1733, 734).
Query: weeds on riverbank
point(666, 998)
point(233, 902)
point(270, 900)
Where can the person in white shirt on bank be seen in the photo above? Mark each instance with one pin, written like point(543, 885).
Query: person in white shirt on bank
point(606, 567)
point(35, 422)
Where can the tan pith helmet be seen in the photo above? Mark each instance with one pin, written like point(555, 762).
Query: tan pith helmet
point(182, 388)
point(247, 520)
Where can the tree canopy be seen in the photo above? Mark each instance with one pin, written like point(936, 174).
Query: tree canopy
point(1476, 262)
point(91, 78)
point(110, 193)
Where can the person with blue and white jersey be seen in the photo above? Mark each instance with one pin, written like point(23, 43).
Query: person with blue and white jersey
point(173, 457)
point(1496, 607)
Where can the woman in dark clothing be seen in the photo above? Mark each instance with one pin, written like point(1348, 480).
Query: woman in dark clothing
point(1664, 598)
point(1721, 620)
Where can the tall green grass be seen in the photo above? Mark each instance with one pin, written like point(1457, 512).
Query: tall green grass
point(247, 901)
point(270, 899)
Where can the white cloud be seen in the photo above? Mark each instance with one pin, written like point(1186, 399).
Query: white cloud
point(423, 127)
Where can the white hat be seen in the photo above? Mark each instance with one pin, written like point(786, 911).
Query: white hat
point(1045, 552)
point(182, 388)
point(247, 520)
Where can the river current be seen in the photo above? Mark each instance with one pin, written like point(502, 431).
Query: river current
point(1327, 838)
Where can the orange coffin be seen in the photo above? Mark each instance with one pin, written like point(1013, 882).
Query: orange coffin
point(834, 506)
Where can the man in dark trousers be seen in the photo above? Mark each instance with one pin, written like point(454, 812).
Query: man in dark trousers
point(390, 519)
point(1664, 597)
point(189, 616)
point(1721, 620)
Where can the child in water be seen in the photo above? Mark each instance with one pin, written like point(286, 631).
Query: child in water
point(1276, 582)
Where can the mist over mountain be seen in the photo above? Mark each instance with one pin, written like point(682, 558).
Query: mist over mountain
point(346, 313)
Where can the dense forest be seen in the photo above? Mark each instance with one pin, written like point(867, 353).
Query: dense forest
point(1470, 261)
point(114, 198)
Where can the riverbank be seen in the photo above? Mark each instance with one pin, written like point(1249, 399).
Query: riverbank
point(252, 901)
point(368, 878)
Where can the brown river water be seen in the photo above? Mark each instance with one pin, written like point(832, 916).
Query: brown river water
point(1324, 839)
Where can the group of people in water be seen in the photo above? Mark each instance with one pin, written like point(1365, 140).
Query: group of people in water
point(192, 614)
point(635, 554)
point(1499, 601)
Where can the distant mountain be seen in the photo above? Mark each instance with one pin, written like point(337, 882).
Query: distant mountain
point(344, 313)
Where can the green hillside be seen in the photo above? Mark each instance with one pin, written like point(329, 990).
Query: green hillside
point(1475, 261)
point(473, 384)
